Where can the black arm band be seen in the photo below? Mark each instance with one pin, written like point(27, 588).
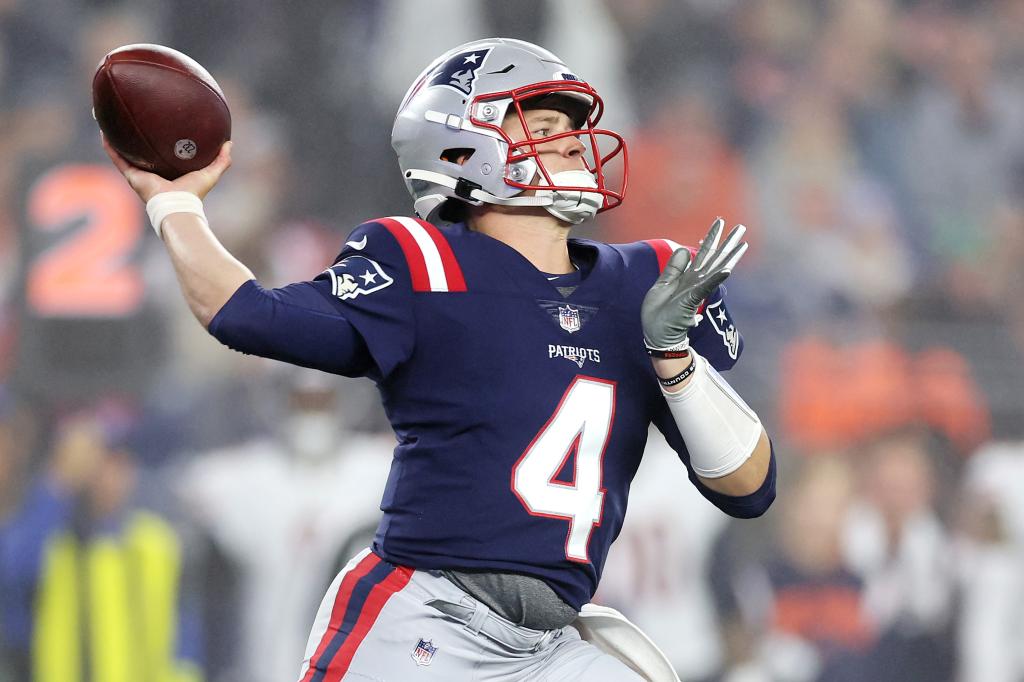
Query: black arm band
point(679, 378)
point(668, 354)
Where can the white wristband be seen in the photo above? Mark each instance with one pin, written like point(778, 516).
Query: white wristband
point(720, 430)
point(166, 203)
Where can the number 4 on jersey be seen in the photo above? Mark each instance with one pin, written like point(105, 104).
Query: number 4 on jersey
point(580, 425)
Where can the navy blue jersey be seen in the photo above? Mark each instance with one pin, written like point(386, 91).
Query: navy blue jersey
point(521, 415)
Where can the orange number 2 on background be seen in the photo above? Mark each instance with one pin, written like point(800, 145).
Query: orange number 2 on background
point(88, 272)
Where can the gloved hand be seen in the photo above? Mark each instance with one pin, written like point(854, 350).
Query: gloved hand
point(669, 310)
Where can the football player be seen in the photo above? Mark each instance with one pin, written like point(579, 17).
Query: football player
point(519, 368)
point(283, 508)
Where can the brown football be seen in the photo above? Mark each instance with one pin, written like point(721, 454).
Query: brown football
point(160, 109)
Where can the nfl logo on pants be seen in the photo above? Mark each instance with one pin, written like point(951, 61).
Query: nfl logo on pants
point(424, 652)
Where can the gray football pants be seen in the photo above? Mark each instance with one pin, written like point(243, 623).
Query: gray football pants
point(388, 623)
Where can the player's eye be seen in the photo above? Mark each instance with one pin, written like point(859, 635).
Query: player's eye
point(541, 132)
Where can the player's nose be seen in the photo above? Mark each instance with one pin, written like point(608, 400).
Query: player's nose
point(572, 147)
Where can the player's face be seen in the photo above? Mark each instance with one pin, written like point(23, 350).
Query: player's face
point(562, 154)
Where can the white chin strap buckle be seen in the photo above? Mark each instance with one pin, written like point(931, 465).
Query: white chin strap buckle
point(572, 206)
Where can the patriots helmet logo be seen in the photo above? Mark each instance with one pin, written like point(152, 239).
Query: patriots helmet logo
point(459, 71)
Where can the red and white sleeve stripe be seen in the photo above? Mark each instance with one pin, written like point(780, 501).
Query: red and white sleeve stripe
point(664, 248)
point(432, 265)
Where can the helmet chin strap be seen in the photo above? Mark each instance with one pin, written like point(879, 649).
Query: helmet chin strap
point(572, 206)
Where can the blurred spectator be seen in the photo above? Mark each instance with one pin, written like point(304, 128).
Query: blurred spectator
point(657, 570)
point(683, 174)
point(896, 542)
point(964, 136)
point(665, 43)
point(804, 618)
point(95, 582)
point(854, 65)
point(992, 566)
point(771, 42)
point(17, 435)
point(884, 387)
point(287, 511)
point(828, 228)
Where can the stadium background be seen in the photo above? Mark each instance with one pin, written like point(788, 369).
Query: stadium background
point(875, 148)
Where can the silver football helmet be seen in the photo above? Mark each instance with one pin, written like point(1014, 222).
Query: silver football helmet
point(454, 112)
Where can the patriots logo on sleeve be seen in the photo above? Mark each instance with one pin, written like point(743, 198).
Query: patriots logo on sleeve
point(459, 72)
point(357, 275)
point(719, 318)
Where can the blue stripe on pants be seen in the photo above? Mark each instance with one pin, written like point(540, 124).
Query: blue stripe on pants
point(355, 607)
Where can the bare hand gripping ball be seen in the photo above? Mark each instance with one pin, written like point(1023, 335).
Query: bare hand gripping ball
point(160, 109)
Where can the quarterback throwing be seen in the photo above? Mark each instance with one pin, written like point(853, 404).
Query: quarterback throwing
point(520, 369)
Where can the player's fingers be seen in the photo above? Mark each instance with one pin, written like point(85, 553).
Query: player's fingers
point(734, 238)
point(734, 257)
point(137, 178)
point(223, 160)
point(219, 164)
point(677, 264)
point(709, 243)
point(200, 182)
point(714, 281)
point(118, 160)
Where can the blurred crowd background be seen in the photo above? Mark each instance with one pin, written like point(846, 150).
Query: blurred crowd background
point(173, 511)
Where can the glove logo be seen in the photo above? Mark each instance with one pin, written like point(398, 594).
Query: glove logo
point(357, 275)
point(724, 326)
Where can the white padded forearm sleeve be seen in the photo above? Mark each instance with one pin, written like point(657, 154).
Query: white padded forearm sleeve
point(720, 430)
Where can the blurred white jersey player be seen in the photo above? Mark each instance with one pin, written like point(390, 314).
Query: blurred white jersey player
point(657, 569)
point(992, 566)
point(284, 510)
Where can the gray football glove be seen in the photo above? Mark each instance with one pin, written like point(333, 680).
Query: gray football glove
point(669, 310)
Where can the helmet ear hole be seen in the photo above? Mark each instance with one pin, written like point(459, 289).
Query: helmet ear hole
point(459, 155)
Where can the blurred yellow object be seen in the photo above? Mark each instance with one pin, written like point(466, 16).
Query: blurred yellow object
point(117, 595)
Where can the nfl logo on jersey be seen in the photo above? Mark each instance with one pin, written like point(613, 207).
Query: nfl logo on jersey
point(569, 318)
point(424, 652)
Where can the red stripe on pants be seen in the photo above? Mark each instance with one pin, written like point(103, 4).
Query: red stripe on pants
point(375, 602)
point(368, 563)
